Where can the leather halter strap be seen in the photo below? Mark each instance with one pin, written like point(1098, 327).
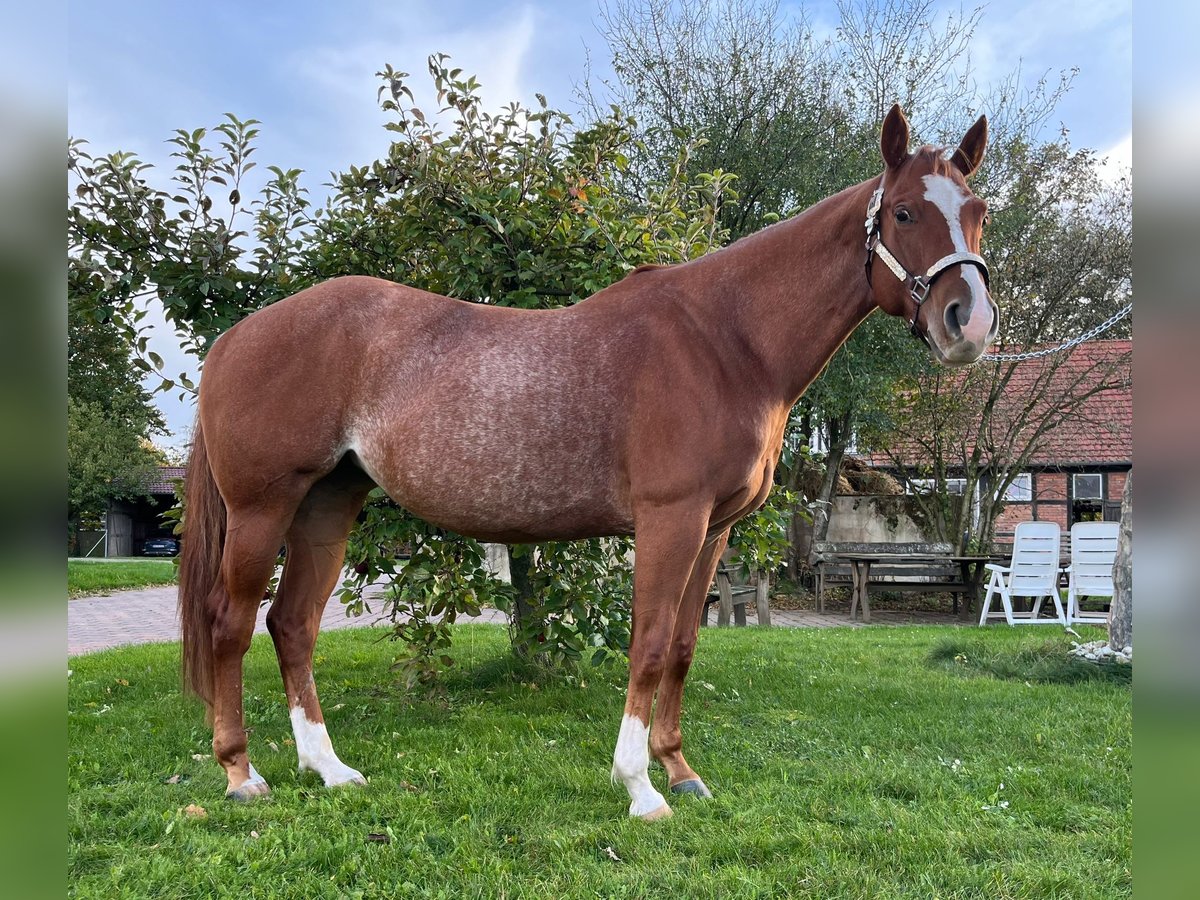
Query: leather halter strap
point(918, 285)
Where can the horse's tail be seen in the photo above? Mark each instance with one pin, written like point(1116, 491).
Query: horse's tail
point(199, 567)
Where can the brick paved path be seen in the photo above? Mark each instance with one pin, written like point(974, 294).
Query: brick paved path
point(146, 616)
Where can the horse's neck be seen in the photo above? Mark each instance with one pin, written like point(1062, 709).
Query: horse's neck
point(795, 291)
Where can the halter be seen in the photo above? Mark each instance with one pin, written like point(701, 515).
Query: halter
point(918, 285)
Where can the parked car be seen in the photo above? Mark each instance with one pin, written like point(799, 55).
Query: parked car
point(160, 546)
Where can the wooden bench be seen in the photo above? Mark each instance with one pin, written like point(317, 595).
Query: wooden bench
point(925, 575)
point(733, 592)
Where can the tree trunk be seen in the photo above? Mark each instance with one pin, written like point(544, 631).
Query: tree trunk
point(795, 521)
point(523, 612)
point(839, 437)
point(1120, 615)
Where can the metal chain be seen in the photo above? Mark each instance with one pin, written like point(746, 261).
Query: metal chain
point(1074, 342)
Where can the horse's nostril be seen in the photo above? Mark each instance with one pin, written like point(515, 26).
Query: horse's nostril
point(956, 317)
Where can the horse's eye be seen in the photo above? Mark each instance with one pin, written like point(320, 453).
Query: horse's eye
point(902, 215)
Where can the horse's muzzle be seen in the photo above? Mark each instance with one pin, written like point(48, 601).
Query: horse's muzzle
point(969, 327)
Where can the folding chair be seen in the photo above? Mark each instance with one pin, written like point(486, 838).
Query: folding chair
point(1032, 572)
point(1093, 553)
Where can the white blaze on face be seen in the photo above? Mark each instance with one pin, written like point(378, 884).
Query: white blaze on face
point(631, 764)
point(315, 751)
point(950, 198)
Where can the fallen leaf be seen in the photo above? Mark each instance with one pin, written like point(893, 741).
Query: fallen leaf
point(192, 811)
point(375, 837)
point(274, 746)
point(254, 834)
point(174, 779)
point(199, 757)
point(612, 854)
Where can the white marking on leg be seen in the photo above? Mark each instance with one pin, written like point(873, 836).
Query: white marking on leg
point(254, 778)
point(315, 751)
point(631, 766)
point(944, 193)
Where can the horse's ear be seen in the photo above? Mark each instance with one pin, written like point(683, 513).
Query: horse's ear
point(894, 140)
point(969, 154)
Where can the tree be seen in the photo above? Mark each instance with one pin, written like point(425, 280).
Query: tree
point(1120, 616)
point(129, 241)
point(110, 419)
point(757, 89)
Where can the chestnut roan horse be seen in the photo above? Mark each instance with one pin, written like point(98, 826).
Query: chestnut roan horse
point(654, 408)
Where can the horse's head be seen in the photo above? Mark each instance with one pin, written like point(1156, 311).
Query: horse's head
point(923, 231)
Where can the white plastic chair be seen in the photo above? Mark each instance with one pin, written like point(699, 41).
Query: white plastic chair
point(1093, 553)
point(1032, 572)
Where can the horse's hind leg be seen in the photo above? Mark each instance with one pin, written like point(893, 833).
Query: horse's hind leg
point(666, 737)
point(316, 548)
point(252, 545)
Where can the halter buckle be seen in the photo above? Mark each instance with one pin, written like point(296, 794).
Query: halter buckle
point(919, 291)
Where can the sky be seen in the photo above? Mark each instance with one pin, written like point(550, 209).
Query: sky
point(140, 69)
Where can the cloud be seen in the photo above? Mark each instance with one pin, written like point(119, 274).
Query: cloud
point(338, 79)
point(1117, 161)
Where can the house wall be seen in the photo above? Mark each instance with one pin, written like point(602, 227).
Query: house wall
point(1116, 486)
point(1052, 498)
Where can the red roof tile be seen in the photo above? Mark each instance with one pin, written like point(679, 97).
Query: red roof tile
point(1100, 431)
point(164, 481)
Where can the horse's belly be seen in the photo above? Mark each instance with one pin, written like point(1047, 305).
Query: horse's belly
point(514, 490)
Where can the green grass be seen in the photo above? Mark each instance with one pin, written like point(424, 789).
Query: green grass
point(846, 764)
point(88, 576)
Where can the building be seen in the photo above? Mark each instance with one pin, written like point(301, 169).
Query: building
point(1079, 472)
point(131, 522)
point(1079, 468)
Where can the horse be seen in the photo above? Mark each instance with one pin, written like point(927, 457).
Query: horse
point(654, 408)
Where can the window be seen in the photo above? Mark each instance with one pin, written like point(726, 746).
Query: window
point(1088, 487)
point(955, 486)
point(818, 441)
point(1021, 489)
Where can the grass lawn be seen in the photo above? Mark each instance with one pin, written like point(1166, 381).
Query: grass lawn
point(101, 576)
point(885, 762)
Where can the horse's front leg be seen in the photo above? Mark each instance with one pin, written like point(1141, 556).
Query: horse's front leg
point(668, 540)
point(666, 738)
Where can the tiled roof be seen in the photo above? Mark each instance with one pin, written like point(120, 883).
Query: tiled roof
point(164, 481)
point(1100, 430)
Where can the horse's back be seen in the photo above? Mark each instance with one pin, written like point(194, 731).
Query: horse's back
point(474, 416)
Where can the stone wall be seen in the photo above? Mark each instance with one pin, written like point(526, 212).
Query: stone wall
point(867, 518)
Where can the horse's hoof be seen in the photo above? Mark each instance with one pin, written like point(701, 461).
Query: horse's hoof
point(663, 812)
point(693, 786)
point(349, 778)
point(251, 789)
